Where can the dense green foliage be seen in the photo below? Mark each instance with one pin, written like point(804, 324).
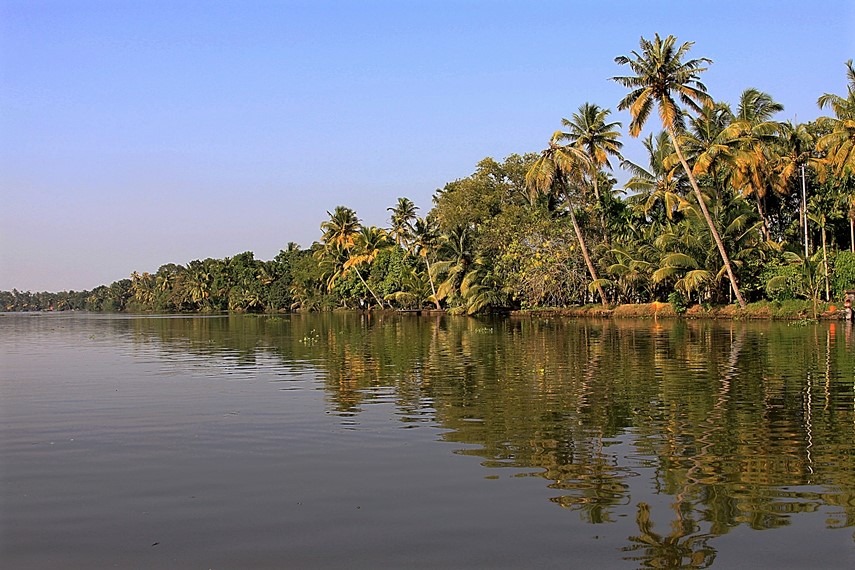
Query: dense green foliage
point(717, 215)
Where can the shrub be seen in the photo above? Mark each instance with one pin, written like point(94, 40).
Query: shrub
point(786, 283)
point(842, 273)
point(678, 302)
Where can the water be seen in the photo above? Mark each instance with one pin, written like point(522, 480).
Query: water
point(319, 441)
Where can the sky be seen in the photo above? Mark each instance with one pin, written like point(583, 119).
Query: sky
point(134, 134)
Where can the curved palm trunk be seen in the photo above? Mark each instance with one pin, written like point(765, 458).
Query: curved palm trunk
point(708, 218)
point(432, 287)
point(585, 255)
point(373, 294)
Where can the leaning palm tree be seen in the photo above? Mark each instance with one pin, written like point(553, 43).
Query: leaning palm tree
point(660, 74)
point(839, 142)
point(555, 170)
point(589, 131)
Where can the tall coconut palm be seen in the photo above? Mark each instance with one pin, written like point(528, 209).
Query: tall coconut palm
point(341, 228)
point(839, 143)
point(555, 170)
point(661, 74)
point(795, 152)
point(403, 215)
point(589, 131)
point(339, 237)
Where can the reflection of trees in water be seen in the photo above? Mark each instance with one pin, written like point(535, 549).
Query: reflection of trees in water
point(683, 547)
point(735, 419)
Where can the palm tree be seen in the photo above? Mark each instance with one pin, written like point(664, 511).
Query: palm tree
point(458, 257)
point(658, 184)
point(198, 284)
point(589, 131)
point(368, 243)
point(557, 166)
point(403, 215)
point(348, 245)
point(341, 228)
point(339, 236)
point(794, 152)
point(839, 143)
point(806, 283)
point(753, 136)
point(331, 259)
point(660, 74)
point(143, 289)
point(425, 239)
point(706, 144)
point(634, 264)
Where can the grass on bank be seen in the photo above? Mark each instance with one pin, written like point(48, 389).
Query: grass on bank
point(794, 309)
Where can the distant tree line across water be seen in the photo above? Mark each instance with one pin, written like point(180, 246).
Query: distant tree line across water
point(732, 206)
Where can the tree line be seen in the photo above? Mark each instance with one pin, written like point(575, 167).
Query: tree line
point(731, 206)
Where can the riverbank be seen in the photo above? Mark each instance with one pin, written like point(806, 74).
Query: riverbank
point(793, 310)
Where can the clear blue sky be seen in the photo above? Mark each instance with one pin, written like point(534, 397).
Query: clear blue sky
point(134, 134)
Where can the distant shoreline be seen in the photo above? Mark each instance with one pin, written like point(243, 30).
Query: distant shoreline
point(793, 310)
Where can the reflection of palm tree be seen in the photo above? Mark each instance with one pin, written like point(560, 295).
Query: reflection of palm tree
point(680, 549)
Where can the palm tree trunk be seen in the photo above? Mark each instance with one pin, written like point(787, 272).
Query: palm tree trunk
point(765, 223)
point(432, 288)
point(708, 218)
point(585, 255)
point(825, 264)
point(373, 294)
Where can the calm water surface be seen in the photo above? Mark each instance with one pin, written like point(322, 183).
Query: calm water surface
point(332, 441)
